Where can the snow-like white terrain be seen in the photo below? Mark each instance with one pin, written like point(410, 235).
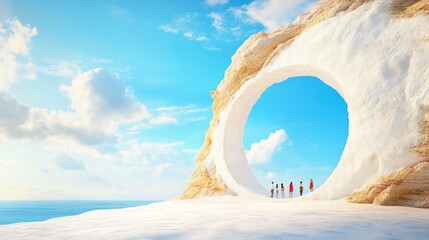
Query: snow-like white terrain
point(228, 217)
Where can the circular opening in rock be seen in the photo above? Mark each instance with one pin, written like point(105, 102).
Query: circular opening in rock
point(296, 131)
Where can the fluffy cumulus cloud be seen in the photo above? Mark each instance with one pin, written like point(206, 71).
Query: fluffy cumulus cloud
point(262, 151)
point(100, 97)
point(101, 107)
point(276, 13)
point(99, 104)
point(216, 2)
point(99, 101)
point(15, 60)
point(12, 116)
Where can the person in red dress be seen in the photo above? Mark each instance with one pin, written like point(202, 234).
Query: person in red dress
point(311, 185)
point(290, 190)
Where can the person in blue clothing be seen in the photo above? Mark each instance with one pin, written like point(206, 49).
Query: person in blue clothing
point(277, 190)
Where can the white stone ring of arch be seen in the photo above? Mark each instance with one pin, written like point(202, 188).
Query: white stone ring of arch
point(231, 159)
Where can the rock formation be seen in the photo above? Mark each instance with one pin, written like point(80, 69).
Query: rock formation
point(407, 187)
point(373, 53)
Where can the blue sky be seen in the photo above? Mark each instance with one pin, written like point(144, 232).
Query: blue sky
point(110, 100)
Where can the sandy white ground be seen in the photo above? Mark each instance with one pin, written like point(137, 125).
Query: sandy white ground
point(234, 218)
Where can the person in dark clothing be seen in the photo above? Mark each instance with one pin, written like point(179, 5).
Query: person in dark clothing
point(301, 188)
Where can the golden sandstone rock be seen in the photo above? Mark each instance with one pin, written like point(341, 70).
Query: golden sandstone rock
point(408, 187)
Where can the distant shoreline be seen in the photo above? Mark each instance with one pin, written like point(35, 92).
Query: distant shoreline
point(18, 211)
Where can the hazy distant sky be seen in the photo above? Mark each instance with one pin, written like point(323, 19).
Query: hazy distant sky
point(110, 99)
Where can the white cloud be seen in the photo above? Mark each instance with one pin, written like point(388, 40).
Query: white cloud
point(163, 119)
point(120, 13)
point(191, 151)
point(212, 48)
point(65, 162)
point(262, 151)
point(274, 14)
point(12, 116)
point(270, 176)
point(182, 109)
point(186, 25)
point(191, 36)
point(168, 28)
point(196, 119)
point(160, 168)
point(179, 25)
point(217, 20)
point(169, 108)
point(216, 2)
point(99, 104)
point(187, 18)
point(230, 25)
point(170, 115)
point(157, 159)
point(15, 60)
point(62, 68)
point(7, 164)
point(100, 97)
point(188, 35)
point(150, 152)
point(91, 128)
point(202, 38)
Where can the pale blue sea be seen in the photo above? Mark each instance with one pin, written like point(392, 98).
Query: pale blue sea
point(30, 211)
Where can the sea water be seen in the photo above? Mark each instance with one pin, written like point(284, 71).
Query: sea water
point(30, 211)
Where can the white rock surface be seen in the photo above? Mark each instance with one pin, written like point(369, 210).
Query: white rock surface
point(379, 65)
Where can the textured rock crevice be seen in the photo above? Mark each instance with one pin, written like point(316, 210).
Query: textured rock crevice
point(202, 184)
point(407, 187)
point(409, 8)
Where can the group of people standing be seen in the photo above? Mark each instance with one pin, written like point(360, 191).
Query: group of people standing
point(282, 189)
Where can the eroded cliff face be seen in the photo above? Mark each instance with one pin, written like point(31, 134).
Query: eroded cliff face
point(407, 187)
point(256, 53)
